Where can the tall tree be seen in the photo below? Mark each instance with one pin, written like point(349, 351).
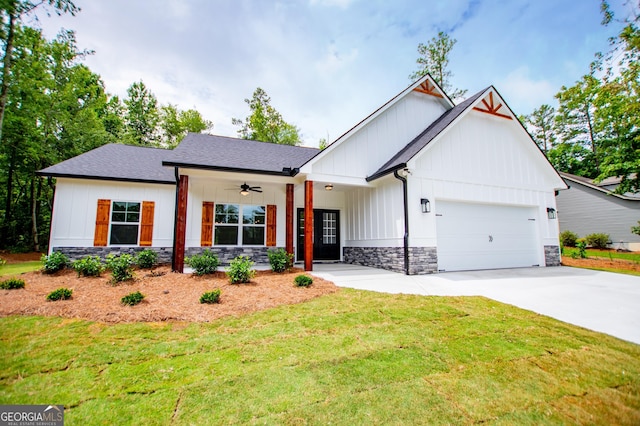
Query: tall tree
point(540, 124)
point(12, 13)
point(176, 123)
point(141, 115)
point(265, 123)
point(577, 119)
point(619, 102)
point(52, 113)
point(434, 60)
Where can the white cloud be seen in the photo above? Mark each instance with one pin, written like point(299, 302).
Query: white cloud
point(343, 4)
point(524, 93)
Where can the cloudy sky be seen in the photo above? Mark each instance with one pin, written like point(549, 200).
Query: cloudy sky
point(327, 64)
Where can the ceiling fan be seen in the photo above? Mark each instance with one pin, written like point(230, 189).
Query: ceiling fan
point(244, 189)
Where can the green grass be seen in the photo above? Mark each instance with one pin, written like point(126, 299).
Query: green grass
point(20, 268)
point(605, 254)
point(353, 357)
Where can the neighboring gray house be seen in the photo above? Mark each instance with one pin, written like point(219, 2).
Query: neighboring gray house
point(587, 208)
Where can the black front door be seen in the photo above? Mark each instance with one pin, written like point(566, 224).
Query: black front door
point(326, 234)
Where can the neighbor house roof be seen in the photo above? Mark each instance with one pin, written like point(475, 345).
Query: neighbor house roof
point(116, 162)
point(590, 184)
point(399, 160)
point(199, 151)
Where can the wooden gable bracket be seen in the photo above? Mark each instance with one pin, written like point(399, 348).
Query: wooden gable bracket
point(491, 108)
point(428, 89)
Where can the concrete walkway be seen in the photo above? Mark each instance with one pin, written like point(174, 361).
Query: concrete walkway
point(600, 301)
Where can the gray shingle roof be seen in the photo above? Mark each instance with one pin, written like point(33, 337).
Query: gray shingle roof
point(212, 152)
point(416, 145)
point(116, 162)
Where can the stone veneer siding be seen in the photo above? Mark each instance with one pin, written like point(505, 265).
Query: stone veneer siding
point(552, 255)
point(422, 260)
point(226, 254)
point(75, 253)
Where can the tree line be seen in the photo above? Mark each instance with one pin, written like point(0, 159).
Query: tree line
point(53, 107)
point(594, 131)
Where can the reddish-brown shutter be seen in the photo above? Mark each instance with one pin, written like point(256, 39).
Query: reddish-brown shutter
point(206, 232)
point(102, 223)
point(146, 223)
point(271, 225)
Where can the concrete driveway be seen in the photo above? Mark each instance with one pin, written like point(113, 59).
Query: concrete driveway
point(600, 301)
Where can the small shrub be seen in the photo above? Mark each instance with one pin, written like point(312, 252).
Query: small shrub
point(205, 263)
point(60, 294)
point(240, 270)
point(147, 259)
point(12, 284)
point(121, 267)
point(132, 299)
point(55, 262)
point(568, 238)
point(90, 266)
point(2, 261)
point(280, 260)
point(303, 281)
point(582, 249)
point(599, 241)
point(211, 296)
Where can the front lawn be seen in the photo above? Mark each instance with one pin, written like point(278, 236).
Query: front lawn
point(11, 269)
point(352, 357)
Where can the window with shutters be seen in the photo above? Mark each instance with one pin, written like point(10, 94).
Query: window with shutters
point(239, 225)
point(125, 223)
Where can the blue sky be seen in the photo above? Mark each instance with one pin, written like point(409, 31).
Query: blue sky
point(327, 64)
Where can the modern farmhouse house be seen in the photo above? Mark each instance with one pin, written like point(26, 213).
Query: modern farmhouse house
point(419, 186)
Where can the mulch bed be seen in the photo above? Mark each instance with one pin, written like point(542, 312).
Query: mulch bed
point(168, 296)
point(599, 262)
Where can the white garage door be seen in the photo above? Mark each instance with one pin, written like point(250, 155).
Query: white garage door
point(483, 236)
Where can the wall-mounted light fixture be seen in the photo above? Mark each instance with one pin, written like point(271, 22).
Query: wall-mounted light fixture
point(551, 213)
point(404, 172)
point(328, 187)
point(426, 205)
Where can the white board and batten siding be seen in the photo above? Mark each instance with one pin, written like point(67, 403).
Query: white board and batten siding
point(362, 152)
point(488, 196)
point(375, 216)
point(74, 210)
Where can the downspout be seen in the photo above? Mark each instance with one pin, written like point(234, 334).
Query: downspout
point(175, 222)
point(406, 220)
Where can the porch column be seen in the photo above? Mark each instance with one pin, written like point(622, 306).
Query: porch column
point(180, 230)
point(289, 213)
point(308, 225)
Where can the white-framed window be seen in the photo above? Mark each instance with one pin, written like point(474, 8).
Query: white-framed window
point(237, 224)
point(125, 223)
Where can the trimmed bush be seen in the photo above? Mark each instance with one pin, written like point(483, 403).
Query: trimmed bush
point(132, 299)
point(568, 239)
point(12, 284)
point(211, 296)
point(302, 281)
point(600, 241)
point(147, 259)
point(121, 267)
point(202, 264)
point(60, 294)
point(55, 262)
point(240, 271)
point(280, 260)
point(90, 266)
